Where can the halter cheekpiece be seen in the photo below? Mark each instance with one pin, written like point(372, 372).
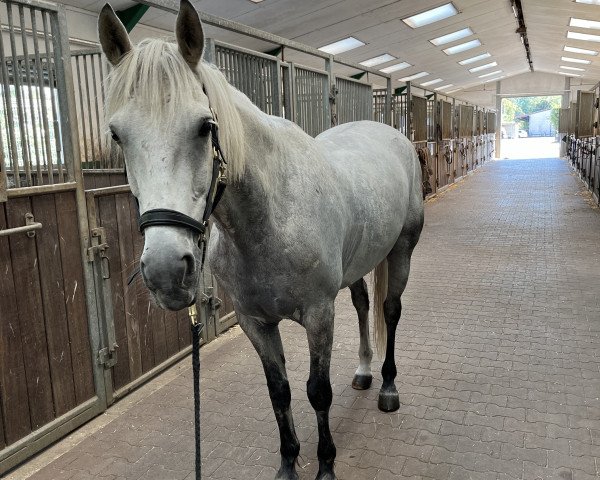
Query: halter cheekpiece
point(164, 216)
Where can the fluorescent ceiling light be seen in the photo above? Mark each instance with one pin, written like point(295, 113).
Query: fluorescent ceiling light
point(576, 69)
point(431, 16)
point(475, 59)
point(340, 46)
point(588, 37)
point(490, 74)
point(494, 79)
point(371, 62)
point(444, 87)
point(583, 51)
point(581, 23)
point(431, 82)
point(461, 47)
point(483, 67)
point(414, 77)
point(575, 60)
point(568, 74)
point(451, 37)
point(453, 90)
point(395, 68)
point(589, 2)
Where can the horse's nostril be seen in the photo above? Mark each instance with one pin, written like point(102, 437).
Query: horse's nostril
point(190, 263)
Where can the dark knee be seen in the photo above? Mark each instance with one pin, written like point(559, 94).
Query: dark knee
point(392, 307)
point(360, 296)
point(319, 393)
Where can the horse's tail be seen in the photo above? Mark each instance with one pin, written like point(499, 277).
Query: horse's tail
point(380, 281)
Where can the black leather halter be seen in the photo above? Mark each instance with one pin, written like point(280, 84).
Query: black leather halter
point(165, 216)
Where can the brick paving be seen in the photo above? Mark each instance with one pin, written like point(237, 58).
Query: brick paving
point(497, 352)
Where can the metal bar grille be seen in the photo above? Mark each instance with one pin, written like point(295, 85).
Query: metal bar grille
point(354, 100)
point(254, 74)
point(399, 113)
point(96, 148)
point(379, 105)
point(311, 98)
point(30, 133)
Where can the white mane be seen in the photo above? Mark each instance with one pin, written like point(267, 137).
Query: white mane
point(157, 75)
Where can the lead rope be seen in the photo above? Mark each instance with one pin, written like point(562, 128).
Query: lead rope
point(217, 187)
point(196, 330)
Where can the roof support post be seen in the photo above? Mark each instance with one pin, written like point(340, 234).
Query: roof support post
point(409, 130)
point(388, 103)
point(498, 118)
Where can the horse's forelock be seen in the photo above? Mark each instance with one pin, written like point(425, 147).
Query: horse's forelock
point(156, 75)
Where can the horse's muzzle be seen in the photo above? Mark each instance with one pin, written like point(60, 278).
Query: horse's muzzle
point(170, 271)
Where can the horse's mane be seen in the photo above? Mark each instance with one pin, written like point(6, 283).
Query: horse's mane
point(157, 76)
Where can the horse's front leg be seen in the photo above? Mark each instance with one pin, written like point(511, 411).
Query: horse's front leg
point(267, 342)
point(319, 330)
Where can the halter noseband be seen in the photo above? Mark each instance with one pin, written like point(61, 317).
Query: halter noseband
point(164, 216)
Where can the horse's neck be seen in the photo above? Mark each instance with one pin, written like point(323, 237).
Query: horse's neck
point(249, 202)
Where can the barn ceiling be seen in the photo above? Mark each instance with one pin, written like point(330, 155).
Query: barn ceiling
point(378, 24)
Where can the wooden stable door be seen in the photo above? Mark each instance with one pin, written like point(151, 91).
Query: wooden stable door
point(45, 354)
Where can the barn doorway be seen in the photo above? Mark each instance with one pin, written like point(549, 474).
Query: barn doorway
point(530, 126)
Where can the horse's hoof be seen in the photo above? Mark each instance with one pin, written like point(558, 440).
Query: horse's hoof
point(389, 400)
point(326, 476)
point(361, 382)
point(287, 471)
point(286, 474)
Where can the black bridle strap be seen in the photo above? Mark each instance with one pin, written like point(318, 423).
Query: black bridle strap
point(164, 216)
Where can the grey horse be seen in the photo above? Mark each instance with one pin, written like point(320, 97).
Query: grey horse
point(300, 219)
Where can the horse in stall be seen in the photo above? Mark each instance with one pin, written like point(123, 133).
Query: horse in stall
point(301, 218)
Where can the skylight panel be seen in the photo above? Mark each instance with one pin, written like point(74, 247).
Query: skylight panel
point(575, 60)
point(431, 16)
point(414, 77)
point(461, 47)
point(444, 87)
point(494, 79)
point(588, 37)
point(341, 46)
point(371, 62)
point(475, 59)
point(431, 82)
point(483, 67)
point(582, 23)
point(451, 37)
point(582, 51)
point(490, 74)
point(395, 68)
point(576, 69)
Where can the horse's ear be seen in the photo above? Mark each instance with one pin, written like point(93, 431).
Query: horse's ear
point(113, 35)
point(190, 37)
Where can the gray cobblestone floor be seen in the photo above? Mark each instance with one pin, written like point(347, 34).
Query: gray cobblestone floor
point(497, 356)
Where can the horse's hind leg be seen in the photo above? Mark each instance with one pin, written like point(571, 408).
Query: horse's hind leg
point(267, 342)
point(360, 300)
point(398, 270)
point(319, 331)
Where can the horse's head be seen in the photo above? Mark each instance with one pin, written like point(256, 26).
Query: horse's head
point(158, 112)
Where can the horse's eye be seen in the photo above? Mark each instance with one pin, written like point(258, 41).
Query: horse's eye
point(114, 136)
point(205, 128)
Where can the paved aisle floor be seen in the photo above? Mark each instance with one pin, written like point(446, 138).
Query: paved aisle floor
point(498, 357)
